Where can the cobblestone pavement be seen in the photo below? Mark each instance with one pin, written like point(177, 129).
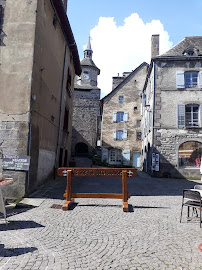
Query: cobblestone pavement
point(97, 234)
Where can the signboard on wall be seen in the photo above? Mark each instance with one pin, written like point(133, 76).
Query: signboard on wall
point(16, 163)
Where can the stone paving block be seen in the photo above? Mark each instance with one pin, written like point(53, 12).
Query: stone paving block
point(98, 235)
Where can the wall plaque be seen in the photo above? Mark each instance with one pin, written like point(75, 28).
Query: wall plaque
point(17, 163)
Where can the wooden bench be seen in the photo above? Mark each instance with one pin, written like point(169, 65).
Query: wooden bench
point(97, 172)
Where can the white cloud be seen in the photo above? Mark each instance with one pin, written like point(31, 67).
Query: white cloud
point(123, 48)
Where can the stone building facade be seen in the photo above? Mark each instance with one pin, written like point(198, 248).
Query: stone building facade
point(38, 66)
point(172, 98)
point(121, 131)
point(86, 107)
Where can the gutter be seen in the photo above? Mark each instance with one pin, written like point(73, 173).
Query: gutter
point(66, 28)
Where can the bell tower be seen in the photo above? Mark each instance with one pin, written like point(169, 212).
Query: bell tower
point(86, 107)
point(89, 70)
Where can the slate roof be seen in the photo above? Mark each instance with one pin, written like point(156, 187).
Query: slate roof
point(88, 47)
point(187, 43)
point(89, 62)
point(126, 80)
point(85, 87)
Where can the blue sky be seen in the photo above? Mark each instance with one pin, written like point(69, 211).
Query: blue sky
point(178, 19)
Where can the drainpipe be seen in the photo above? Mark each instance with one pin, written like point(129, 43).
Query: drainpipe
point(154, 67)
point(61, 103)
point(29, 153)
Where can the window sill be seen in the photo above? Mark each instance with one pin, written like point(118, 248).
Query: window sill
point(189, 88)
point(192, 127)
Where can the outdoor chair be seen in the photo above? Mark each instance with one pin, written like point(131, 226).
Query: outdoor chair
point(198, 187)
point(191, 199)
point(2, 205)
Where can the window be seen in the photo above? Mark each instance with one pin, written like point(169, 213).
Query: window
point(139, 135)
point(119, 135)
point(119, 116)
point(66, 120)
point(55, 21)
point(191, 115)
point(188, 115)
point(115, 155)
point(191, 79)
point(2, 34)
point(138, 123)
point(2, 7)
point(120, 98)
point(190, 154)
point(69, 83)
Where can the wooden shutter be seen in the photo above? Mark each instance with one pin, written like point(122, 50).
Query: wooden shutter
point(126, 156)
point(114, 116)
point(181, 115)
point(114, 135)
point(104, 154)
point(200, 79)
point(180, 79)
point(125, 117)
point(125, 135)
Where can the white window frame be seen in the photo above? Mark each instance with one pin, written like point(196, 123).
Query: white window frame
point(118, 133)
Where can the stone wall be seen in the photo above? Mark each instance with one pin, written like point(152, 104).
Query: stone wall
point(130, 89)
point(167, 135)
point(86, 109)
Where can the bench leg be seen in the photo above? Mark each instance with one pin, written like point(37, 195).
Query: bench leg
point(125, 192)
point(69, 200)
point(67, 205)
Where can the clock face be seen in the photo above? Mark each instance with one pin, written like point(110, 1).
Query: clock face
point(85, 76)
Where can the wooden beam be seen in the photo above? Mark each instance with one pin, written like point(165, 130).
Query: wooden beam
point(97, 195)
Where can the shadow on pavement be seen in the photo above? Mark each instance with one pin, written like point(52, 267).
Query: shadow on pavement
point(10, 252)
point(19, 224)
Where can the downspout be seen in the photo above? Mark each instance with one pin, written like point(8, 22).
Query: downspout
point(61, 103)
point(154, 66)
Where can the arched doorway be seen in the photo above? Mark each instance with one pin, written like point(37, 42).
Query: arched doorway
point(190, 154)
point(81, 150)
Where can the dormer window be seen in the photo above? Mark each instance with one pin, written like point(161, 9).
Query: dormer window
point(189, 52)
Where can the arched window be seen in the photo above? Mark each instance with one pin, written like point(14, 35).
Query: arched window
point(190, 154)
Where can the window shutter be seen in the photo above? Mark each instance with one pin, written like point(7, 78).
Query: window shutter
point(104, 154)
point(144, 99)
point(200, 79)
point(114, 116)
point(126, 156)
point(125, 135)
point(114, 135)
point(181, 115)
point(180, 79)
point(125, 117)
point(200, 115)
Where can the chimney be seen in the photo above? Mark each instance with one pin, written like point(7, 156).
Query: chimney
point(154, 46)
point(65, 4)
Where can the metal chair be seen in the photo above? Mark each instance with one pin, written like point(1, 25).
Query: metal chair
point(198, 187)
point(191, 199)
point(2, 205)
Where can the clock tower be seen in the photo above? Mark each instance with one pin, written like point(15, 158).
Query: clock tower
point(89, 70)
point(86, 107)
